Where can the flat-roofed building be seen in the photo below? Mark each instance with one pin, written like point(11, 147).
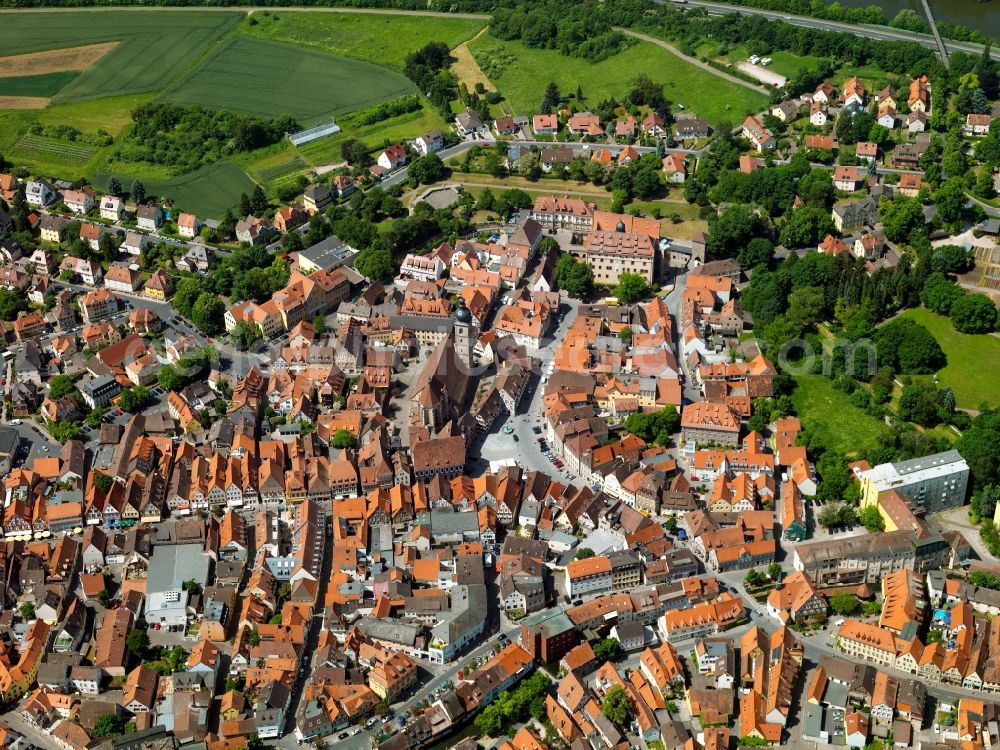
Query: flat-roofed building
point(935, 483)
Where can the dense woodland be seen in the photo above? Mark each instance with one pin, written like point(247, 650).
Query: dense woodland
point(190, 137)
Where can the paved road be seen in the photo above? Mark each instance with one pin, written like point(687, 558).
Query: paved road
point(36, 737)
point(257, 8)
point(498, 446)
point(695, 61)
point(460, 148)
point(882, 33)
point(989, 210)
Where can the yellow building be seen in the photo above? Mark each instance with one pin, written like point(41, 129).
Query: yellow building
point(17, 677)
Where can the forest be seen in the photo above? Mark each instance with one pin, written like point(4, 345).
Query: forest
point(191, 137)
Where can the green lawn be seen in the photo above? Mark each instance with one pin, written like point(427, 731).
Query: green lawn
point(46, 84)
point(825, 410)
point(783, 63)
point(378, 38)
point(265, 78)
point(523, 82)
point(873, 78)
point(788, 63)
point(208, 191)
point(973, 361)
point(156, 46)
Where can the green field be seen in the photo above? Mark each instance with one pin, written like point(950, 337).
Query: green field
point(208, 191)
point(973, 361)
point(156, 46)
point(264, 78)
point(523, 82)
point(378, 38)
point(46, 84)
point(828, 412)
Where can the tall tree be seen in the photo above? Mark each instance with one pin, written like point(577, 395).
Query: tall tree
point(259, 200)
point(138, 192)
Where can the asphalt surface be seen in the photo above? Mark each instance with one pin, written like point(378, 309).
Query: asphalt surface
point(883, 33)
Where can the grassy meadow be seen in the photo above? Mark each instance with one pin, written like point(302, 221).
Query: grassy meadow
point(973, 360)
point(523, 81)
point(827, 411)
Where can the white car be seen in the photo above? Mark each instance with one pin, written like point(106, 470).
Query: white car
point(15, 421)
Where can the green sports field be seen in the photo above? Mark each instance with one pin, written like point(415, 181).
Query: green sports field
point(154, 48)
point(265, 78)
point(376, 37)
point(523, 82)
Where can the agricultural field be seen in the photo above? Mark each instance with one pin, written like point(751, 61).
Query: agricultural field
point(829, 412)
point(973, 361)
point(153, 48)
point(63, 158)
point(374, 37)
point(265, 78)
point(53, 155)
point(208, 191)
point(524, 79)
point(44, 84)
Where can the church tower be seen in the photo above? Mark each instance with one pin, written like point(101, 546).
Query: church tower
point(466, 334)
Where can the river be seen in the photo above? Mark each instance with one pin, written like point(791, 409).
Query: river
point(984, 17)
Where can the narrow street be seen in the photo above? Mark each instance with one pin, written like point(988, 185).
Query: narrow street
point(496, 446)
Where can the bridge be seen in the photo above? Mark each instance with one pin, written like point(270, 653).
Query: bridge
point(942, 50)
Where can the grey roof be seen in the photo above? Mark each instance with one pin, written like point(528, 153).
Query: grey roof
point(327, 253)
point(392, 631)
point(447, 522)
point(549, 622)
point(9, 440)
point(95, 384)
point(420, 322)
point(928, 462)
point(467, 606)
point(172, 565)
point(53, 674)
point(469, 120)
